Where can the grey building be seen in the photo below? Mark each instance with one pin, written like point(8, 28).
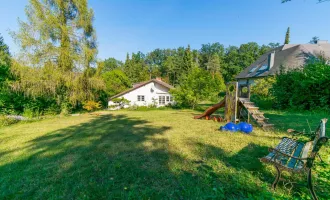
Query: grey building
point(287, 57)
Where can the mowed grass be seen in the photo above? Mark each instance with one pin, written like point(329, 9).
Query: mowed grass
point(146, 155)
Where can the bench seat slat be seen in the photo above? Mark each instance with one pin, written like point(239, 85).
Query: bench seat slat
point(286, 146)
point(297, 152)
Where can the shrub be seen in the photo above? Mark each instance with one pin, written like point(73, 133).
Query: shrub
point(66, 108)
point(261, 92)
point(199, 85)
point(304, 89)
point(28, 112)
point(91, 105)
point(52, 110)
point(122, 102)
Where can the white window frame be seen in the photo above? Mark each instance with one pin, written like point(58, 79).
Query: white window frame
point(140, 98)
point(167, 98)
point(161, 100)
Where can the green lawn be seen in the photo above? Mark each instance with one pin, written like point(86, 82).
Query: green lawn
point(146, 155)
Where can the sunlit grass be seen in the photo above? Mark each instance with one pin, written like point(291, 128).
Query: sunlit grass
point(144, 155)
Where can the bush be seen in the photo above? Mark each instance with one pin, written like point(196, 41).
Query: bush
point(91, 105)
point(6, 121)
point(199, 85)
point(261, 92)
point(304, 89)
point(121, 102)
point(52, 110)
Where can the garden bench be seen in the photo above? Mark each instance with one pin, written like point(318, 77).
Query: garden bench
point(297, 157)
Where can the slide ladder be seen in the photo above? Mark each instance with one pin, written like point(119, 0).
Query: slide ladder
point(250, 110)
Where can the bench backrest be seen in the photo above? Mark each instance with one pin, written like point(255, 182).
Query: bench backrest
point(319, 140)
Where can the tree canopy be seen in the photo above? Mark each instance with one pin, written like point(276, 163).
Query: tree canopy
point(58, 51)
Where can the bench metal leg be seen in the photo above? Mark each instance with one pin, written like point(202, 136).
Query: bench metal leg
point(310, 184)
point(278, 175)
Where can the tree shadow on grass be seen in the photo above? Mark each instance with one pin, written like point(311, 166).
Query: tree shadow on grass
point(119, 157)
point(107, 156)
point(246, 159)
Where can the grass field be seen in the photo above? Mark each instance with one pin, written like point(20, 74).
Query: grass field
point(146, 155)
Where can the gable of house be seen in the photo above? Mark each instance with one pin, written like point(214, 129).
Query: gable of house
point(146, 93)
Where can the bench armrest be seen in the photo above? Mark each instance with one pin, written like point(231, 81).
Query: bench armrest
point(295, 133)
point(276, 151)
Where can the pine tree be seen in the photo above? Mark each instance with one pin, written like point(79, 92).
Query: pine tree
point(187, 60)
point(287, 36)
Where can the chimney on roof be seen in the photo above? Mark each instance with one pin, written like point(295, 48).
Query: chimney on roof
point(271, 58)
point(158, 78)
point(322, 42)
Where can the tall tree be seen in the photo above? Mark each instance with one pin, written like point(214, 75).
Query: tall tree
point(135, 68)
point(4, 61)
point(60, 32)
point(213, 65)
point(110, 64)
point(116, 81)
point(287, 36)
point(187, 59)
point(58, 48)
point(170, 67)
point(208, 50)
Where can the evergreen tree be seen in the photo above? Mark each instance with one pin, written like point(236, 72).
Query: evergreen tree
point(187, 60)
point(136, 68)
point(287, 36)
point(170, 67)
point(213, 64)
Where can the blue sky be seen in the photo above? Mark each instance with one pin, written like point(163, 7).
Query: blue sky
point(128, 26)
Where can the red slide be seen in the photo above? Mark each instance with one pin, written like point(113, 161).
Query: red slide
point(212, 109)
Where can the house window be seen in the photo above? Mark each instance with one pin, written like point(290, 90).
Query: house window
point(161, 100)
point(167, 98)
point(171, 98)
point(140, 97)
point(264, 67)
point(253, 69)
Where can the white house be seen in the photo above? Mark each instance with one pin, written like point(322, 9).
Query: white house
point(152, 92)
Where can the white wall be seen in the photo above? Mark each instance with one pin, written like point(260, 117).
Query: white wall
point(150, 91)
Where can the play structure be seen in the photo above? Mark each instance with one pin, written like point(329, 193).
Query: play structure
point(238, 107)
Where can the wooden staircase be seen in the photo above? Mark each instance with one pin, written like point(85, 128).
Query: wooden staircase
point(250, 110)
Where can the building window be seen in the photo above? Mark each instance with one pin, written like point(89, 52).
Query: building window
point(167, 98)
point(140, 97)
point(171, 98)
point(262, 68)
point(253, 69)
point(161, 100)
